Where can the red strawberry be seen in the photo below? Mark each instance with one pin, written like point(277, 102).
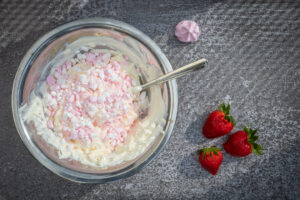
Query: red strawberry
point(219, 122)
point(210, 159)
point(242, 143)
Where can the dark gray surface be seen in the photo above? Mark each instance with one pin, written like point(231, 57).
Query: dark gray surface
point(253, 50)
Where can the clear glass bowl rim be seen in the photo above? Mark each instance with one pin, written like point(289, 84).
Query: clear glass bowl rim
point(38, 47)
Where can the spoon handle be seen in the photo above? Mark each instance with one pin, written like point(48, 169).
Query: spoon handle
point(194, 66)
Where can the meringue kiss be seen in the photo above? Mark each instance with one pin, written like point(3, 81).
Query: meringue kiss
point(187, 31)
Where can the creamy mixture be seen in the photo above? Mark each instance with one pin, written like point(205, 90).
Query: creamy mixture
point(88, 106)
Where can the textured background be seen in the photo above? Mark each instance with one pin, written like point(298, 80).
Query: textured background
point(253, 48)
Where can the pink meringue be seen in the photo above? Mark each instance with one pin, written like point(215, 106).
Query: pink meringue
point(93, 101)
point(187, 31)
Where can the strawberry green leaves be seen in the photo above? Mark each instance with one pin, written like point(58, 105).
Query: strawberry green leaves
point(230, 119)
point(209, 150)
point(256, 148)
point(226, 110)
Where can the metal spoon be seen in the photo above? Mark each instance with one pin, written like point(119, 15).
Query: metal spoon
point(194, 66)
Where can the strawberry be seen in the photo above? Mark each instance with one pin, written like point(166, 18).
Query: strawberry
point(242, 143)
point(219, 122)
point(210, 159)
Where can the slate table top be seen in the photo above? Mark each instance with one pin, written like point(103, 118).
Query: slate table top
point(253, 49)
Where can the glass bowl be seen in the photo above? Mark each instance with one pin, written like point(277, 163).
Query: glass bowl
point(30, 72)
